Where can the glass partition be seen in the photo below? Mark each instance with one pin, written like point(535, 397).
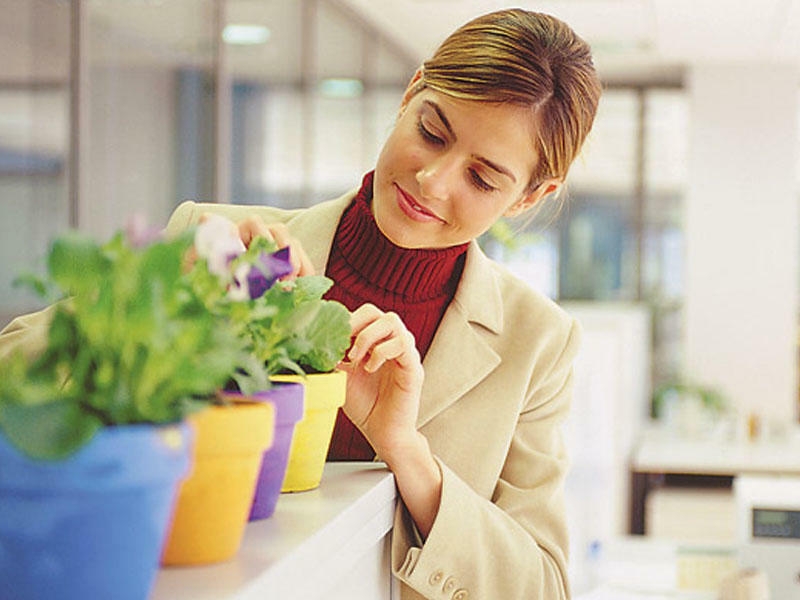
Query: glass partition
point(150, 132)
point(314, 92)
point(34, 140)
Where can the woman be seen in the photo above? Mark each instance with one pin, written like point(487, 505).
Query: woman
point(487, 127)
point(459, 374)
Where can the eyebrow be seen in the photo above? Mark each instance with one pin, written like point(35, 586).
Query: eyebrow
point(492, 165)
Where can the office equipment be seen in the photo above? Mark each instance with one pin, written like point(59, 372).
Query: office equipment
point(768, 526)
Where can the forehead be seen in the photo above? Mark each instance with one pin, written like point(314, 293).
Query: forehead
point(503, 132)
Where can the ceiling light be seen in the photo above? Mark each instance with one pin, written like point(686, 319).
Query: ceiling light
point(245, 35)
point(340, 87)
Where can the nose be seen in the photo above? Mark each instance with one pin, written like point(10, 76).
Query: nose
point(436, 178)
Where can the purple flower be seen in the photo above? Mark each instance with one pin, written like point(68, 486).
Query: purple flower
point(269, 269)
point(139, 233)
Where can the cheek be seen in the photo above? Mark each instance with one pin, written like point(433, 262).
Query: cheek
point(477, 215)
point(389, 151)
point(400, 156)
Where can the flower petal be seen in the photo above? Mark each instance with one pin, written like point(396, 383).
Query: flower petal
point(277, 264)
point(139, 233)
point(217, 238)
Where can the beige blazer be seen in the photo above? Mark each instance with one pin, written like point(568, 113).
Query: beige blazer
point(497, 386)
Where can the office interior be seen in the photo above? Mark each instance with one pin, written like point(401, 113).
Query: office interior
point(677, 246)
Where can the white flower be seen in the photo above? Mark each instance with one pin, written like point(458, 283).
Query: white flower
point(217, 240)
point(239, 290)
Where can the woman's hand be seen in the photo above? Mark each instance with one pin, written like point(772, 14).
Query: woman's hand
point(384, 384)
point(253, 227)
point(384, 380)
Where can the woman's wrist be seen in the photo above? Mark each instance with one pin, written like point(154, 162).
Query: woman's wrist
point(419, 481)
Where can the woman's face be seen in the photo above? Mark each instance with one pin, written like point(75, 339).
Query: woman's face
point(451, 168)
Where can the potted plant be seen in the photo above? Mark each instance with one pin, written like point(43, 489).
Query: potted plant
point(301, 342)
point(215, 501)
point(93, 441)
point(298, 337)
point(317, 337)
point(689, 408)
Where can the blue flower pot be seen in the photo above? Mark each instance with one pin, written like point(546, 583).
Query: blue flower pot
point(92, 525)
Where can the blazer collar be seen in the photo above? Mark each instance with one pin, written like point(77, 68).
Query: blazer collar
point(316, 227)
point(473, 317)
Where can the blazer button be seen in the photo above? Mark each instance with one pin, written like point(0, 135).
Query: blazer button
point(449, 584)
point(460, 595)
point(435, 577)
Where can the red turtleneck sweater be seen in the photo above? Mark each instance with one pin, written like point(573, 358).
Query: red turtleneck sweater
point(417, 284)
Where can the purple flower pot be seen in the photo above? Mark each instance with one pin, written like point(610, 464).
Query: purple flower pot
point(288, 399)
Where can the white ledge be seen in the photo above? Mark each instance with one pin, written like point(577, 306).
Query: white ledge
point(311, 540)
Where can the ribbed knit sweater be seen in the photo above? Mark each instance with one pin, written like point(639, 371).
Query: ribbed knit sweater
point(417, 284)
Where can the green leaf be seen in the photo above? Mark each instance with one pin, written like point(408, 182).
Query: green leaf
point(311, 287)
point(34, 283)
point(135, 342)
point(76, 263)
point(327, 338)
point(51, 431)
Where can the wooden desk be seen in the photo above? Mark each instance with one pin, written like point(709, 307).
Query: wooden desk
point(331, 542)
point(660, 453)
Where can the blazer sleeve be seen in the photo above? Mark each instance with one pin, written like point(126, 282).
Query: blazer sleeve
point(514, 545)
point(27, 333)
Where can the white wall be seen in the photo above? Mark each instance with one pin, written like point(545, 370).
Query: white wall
point(742, 235)
point(611, 403)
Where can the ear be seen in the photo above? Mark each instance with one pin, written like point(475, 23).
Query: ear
point(545, 188)
point(412, 89)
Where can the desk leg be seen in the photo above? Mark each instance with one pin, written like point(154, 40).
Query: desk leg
point(641, 484)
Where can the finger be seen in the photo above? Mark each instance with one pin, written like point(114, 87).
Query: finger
point(400, 349)
point(301, 264)
point(306, 267)
point(280, 233)
point(189, 259)
point(253, 227)
point(363, 316)
point(377, 330)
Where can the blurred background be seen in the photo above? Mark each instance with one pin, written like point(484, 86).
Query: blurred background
point(677, 246)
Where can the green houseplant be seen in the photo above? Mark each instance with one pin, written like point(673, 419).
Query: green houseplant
point(92, 439)
point(294, 333)
point(689, 408)
point(285, 325)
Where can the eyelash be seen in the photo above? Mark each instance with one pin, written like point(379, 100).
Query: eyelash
point(475, 178)
point(479, 182)
point(428, 136)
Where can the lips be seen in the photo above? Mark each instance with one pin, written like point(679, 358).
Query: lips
point(413, 209)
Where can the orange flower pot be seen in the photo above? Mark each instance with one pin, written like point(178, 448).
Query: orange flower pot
point(214, 502)
point(324, 394)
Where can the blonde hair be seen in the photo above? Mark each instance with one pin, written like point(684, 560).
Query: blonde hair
point(529, 59)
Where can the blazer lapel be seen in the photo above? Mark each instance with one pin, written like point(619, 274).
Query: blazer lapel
point(474, 315)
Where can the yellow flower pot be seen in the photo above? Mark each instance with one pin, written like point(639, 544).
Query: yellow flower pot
point(214, 502)
point(324, 394)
